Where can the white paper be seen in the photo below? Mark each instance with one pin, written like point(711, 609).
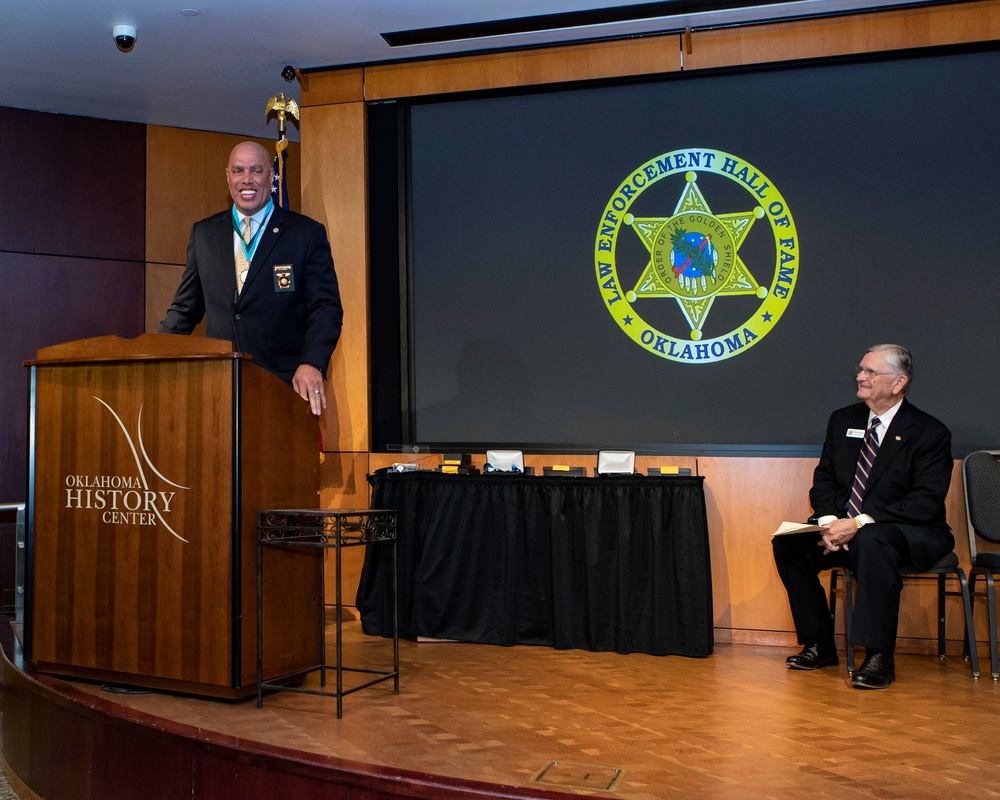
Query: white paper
point(786, 528)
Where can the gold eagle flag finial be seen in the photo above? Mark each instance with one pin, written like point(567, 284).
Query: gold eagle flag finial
point(283, 108)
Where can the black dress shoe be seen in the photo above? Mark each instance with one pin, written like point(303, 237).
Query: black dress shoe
point(877, 671)
point(815, 656)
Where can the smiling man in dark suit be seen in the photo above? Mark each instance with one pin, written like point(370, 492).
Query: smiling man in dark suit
point(263, 277)
point(879, 494)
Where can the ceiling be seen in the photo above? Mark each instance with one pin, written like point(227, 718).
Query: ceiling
point(213, 64)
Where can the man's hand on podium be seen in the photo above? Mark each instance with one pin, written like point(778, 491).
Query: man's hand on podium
point(308, 384)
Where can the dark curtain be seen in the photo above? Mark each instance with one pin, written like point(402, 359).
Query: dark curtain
point(606, 564)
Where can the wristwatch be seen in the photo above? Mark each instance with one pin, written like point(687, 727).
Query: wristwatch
point(858, 523)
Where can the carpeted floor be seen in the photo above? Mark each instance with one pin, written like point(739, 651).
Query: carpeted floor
point(6, 792)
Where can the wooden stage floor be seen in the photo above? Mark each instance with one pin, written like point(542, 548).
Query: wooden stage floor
point(735, 725)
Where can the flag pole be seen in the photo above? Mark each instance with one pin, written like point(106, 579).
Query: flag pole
point(282, 108)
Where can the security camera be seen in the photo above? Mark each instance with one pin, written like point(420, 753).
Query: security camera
point(124, 37)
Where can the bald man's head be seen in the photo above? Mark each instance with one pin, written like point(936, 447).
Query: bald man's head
point(249, 175)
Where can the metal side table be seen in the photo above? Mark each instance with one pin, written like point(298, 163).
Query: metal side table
point(325, 529)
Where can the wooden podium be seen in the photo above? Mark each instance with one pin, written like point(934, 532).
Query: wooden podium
point(148, 461)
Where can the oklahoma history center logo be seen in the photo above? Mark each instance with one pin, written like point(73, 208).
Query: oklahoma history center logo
point(125, 497)
point(694, 256)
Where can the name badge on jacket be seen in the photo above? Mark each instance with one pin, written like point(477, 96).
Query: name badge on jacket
point(855, 433)
point(284, 280)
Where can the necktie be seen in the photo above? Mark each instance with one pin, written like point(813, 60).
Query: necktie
point(242, 265)
point(869, 448)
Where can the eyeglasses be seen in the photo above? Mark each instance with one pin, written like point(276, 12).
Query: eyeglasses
point(870, 373)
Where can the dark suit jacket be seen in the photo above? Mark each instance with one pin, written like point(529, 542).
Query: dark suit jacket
point(280, 326)
point(908, 482)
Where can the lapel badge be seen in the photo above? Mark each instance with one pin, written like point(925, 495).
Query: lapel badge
point(284, 279)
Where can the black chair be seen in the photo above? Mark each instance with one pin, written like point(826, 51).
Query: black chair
point(981, 479)
point(847, 591)
point(939, 571)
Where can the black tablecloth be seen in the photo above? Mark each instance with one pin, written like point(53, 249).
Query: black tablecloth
point(610, 563)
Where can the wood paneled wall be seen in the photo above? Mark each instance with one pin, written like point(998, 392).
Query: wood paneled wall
point(71, 247)
point(746, 497)
point(884, 31)
point(334, 191)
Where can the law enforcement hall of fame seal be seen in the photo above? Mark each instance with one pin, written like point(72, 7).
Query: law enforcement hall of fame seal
point(691, 257)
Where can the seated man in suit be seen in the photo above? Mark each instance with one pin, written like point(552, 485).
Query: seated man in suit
point(878, 492)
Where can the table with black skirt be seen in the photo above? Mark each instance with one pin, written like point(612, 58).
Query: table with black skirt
point(611, 563)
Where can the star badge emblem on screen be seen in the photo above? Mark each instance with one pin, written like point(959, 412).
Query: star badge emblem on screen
point(725, 261)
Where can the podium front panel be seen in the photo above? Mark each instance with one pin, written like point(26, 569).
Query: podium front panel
point(133, 520)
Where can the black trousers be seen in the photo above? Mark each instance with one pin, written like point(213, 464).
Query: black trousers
point(875, 556)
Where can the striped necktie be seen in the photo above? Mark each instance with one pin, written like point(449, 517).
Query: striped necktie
point(242, 265)
point(869, 449)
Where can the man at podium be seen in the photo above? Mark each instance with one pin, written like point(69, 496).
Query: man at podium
point(263, 277)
